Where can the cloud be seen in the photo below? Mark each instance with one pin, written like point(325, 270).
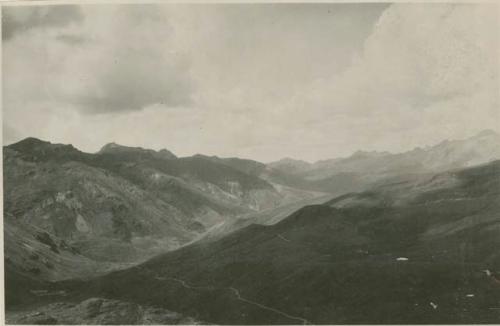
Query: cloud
point(16, 20)
point(259, 81)
point(268, 52)
point(121, 59)
point(426, 71)
point(424, 54)
point(135, 63)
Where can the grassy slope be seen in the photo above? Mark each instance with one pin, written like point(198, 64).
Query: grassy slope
point(339, 265)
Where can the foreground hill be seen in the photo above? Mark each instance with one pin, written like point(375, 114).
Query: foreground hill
point(418, 250)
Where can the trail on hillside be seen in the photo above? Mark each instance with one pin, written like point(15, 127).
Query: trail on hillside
point(238, 296)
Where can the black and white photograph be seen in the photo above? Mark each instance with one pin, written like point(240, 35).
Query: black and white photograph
point(250, 163)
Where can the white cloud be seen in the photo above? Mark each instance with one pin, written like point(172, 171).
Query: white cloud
point(427, 72)
point(263, 81)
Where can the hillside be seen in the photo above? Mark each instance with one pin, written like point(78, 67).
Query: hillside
point(378, 257)
point(119, 206)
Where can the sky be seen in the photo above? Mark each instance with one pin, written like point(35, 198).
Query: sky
point(259, 81)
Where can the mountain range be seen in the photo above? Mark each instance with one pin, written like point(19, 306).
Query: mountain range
point(372, 238)
point(120, 205)
point(365, 168)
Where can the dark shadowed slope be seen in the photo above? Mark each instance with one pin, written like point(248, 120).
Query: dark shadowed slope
point(384, 256)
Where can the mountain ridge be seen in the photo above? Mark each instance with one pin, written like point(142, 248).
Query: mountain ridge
point(113, 147)
point(122, 204)
point(487, 133)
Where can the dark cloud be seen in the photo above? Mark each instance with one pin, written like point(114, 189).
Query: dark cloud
point(131, 62)
point(123, 91)
point(16, 20)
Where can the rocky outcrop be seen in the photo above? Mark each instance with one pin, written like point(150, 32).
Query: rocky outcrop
point(98, 311)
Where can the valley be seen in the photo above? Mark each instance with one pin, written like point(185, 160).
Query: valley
point(250, 162)
point(222, 241)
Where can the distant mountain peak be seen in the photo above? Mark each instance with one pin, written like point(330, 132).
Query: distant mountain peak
point(32, 144)
point(290, 165)
point(30, 141)
point(165, 153)
point(114, 148)
point(111, 145)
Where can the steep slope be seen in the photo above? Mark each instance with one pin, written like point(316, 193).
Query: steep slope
point(194, 181)
point(427, 256)
point(120, 205)
point(99, 215)
point(32, 251)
